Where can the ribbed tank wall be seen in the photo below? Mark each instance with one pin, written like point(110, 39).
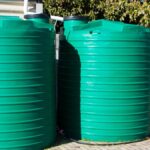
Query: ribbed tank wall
point(148, 34)
point(104, 83)
point(27, 86)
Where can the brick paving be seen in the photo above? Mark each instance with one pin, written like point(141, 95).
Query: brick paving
point(63, 144)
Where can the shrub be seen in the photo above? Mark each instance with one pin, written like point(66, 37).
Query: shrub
point(131, 11)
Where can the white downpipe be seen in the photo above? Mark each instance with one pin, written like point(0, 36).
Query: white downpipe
point(25, 6)
point(57, 18)
point(39, 8)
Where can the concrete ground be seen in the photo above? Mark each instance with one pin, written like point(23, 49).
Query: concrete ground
point(65, 144)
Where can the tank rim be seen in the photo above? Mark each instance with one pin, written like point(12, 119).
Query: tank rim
point(31, 16)
point(76, 18)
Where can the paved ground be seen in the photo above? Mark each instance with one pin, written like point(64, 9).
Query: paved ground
point(64, 144)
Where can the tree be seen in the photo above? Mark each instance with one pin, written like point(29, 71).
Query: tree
point(131, 11)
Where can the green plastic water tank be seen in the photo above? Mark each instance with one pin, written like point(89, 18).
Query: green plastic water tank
point(104, 82)
point(27, 84)
point(148, 34)
point(72, 21)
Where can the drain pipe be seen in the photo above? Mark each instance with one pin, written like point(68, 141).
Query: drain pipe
point(25, 6)
point(39, 7)
point(39, 10)
point(57, 18)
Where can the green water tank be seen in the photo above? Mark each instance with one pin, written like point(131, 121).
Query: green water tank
point(148, 34)
point(27, 83)
point(72, 21)
point(104, 82)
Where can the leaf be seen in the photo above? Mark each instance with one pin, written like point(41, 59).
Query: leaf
point(129, 12)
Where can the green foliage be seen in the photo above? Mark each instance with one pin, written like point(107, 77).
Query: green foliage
point(133, 12)
point(121, 10)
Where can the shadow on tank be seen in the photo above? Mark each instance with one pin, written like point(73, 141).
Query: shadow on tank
point(69, 90)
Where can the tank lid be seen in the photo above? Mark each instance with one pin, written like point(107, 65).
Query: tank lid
point(39, 1)
point(32, 16)
point(76, 18)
